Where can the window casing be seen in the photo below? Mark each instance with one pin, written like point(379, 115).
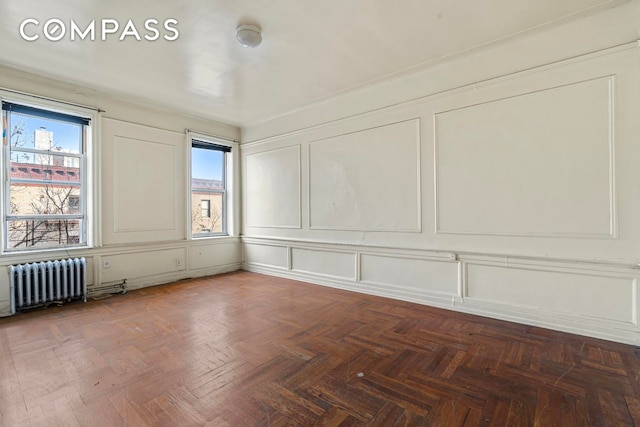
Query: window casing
point(46, 177)
point(209, 188)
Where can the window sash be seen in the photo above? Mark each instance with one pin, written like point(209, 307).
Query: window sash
point(44, 234)
point(49, 182)
point(46, 152)
point(43, 217)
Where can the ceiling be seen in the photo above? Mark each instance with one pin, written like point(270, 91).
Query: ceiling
point(312, 49)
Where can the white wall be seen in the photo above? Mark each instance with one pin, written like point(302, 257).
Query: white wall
point(507, 189)
point(142, 199)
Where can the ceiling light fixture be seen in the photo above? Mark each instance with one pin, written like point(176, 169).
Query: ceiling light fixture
point(249, 35)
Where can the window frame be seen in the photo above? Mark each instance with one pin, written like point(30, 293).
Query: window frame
point(88, 209)
point(229, 209)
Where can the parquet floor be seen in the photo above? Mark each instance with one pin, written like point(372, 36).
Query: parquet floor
point(244, 349)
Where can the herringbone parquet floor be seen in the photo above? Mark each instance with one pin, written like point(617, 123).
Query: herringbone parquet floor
point(244, 349)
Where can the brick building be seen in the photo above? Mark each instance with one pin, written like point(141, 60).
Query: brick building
point(40, 189)
point(206, 206)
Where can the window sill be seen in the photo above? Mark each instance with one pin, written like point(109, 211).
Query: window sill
point(38, 255)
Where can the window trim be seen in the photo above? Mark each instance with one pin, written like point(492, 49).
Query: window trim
point(229, 199)
point(89, 204)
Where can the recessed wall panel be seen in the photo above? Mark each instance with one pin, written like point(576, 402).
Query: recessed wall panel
point(533, 164)
point(207, 256)
point(273, 256)
point(592, 296)
point(5, 287)
point(272, 188)
point(142, 264)
point(330, 263)
point(367, 180)
point(416, 274)
point(144, 185)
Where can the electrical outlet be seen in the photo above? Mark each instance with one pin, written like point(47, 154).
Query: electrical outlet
point(178, 262)
point(106, 263)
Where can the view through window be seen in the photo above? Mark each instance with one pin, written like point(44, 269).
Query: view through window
point(44, 161)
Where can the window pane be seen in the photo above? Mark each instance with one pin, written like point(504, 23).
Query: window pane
point(207, 165)
point(42, 199)
point(29, 234)
point(44, 134)
point(203, 224)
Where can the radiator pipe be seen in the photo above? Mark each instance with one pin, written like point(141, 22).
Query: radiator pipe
point(123, 288)
point(12, 290)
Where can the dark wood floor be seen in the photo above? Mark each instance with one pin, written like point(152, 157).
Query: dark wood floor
point(244, 349)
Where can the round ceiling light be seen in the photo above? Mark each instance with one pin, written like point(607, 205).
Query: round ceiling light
point(249, 35)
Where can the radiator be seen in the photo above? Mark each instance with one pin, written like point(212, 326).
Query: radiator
point(40, 283)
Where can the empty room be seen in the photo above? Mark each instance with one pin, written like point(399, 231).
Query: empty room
point(309, 213)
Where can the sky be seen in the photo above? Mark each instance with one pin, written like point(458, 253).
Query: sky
point(65, 135)
point(206, 164)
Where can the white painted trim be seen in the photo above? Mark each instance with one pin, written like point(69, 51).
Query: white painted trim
point(95, 168)
point(612, 159)
point(575, 325)
point(441, 253)
point(187, 186)
point(462, 280)
point(634, 302)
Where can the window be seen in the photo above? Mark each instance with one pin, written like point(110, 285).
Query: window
point(74, 203)
point(45, 163)
point(208, 188)
point(205, 206)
